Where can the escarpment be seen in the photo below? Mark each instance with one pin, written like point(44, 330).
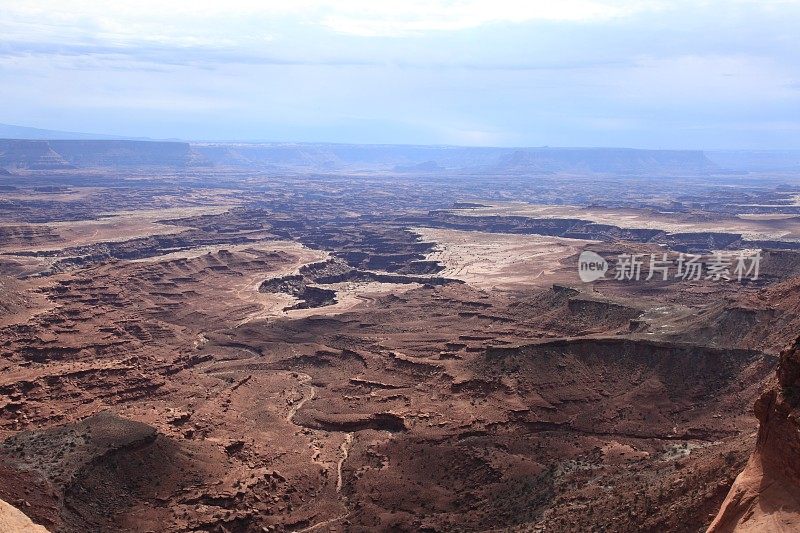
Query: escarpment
point(766, 495)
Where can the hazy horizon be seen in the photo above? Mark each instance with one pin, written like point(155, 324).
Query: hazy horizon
point(102, 136)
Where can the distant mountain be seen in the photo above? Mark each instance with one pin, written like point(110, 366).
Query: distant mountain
point(407, 158)
point(28, 154)
point(102, 153)
point(275, 156)
point(38, 154)
point(757, 160)
point(9, 131)
point(603, 160)
point(427, 166)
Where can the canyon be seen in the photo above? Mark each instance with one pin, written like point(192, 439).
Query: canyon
point(281, 337)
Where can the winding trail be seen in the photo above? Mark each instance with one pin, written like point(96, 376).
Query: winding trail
point(323, 524)
point(308, 395)
point(345, 449)
point(309, 392)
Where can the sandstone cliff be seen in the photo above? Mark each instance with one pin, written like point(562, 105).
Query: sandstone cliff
point(766, 495)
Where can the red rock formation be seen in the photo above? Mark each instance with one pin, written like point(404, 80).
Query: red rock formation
point(766, 495)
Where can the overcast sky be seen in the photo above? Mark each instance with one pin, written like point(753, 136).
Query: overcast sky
point(661, 74)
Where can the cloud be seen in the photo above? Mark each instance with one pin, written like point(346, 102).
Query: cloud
point(397, 18)
point(208, 22)
point(447, 71)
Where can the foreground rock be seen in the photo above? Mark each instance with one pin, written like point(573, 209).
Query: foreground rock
point(12, 519)
point(766, 495)
point(81, 472)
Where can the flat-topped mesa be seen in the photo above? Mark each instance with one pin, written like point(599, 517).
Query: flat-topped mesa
point(84, 154)
point(30, 155)
point(54, 155)
point(766, 495)
point(437, 159)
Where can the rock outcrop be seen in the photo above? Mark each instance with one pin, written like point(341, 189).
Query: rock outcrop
point(766, 495)
point(14, 520)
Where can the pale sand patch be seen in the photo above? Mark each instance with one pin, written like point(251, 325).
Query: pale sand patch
point(114, 227)
point(766, 216)
point(351, 294)
point(272, 304)
point(70, 195)
point(500, 260)
point(245, 290)
point(757, 229)
point(291, 247)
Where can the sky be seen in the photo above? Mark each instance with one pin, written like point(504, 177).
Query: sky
point(706, 74)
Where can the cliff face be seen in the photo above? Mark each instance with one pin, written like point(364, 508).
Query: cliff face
point(51, 155)
point(84, 154)
point(55, 154)
point(33, 155)
point(512, 161)
point(766, 495)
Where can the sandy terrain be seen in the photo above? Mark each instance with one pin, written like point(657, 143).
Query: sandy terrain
point(499, 260)
point(751, 227)
point(348, 296)
point(112, 227)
